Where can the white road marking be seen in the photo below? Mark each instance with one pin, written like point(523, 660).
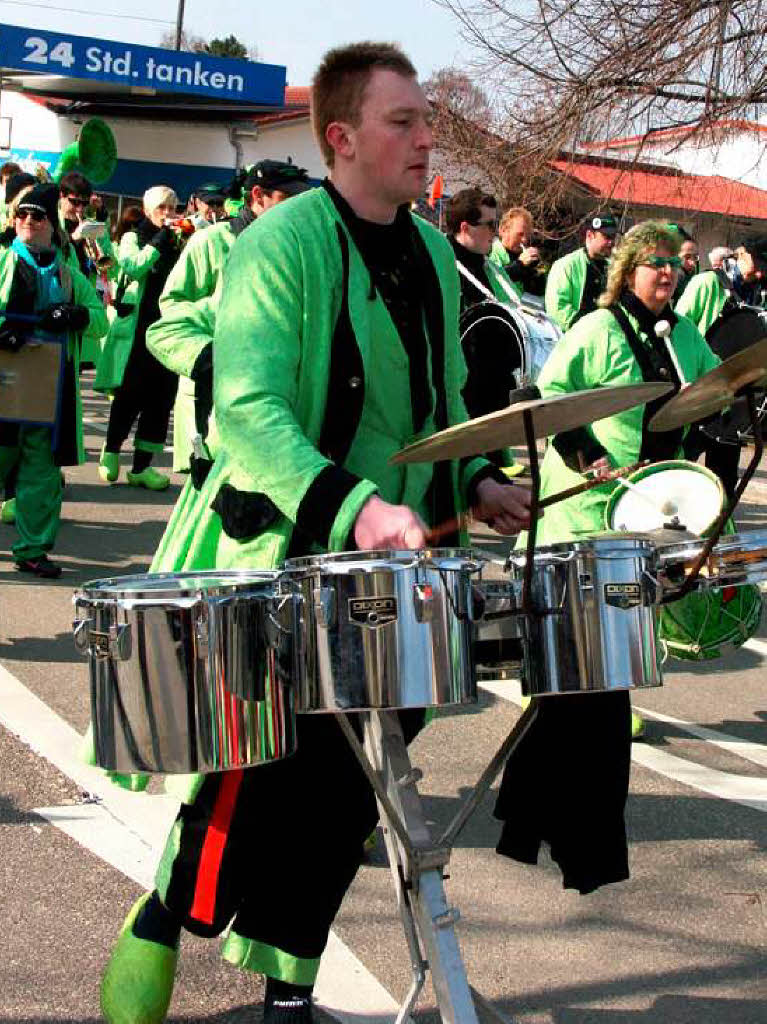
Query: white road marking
point(746, 749)
point(756, 645)
point(124, 830)
point(740, 789)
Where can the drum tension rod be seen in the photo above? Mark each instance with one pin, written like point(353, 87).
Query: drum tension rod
point(730, 506)
point(535, 495)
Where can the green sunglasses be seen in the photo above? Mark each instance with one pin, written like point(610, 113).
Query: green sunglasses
point(658, 262)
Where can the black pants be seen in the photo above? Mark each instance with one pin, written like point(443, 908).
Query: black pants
point(146, 394)
point(294, 832)
point(721, 458)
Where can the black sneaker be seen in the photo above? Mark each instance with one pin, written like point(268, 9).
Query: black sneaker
point(41, 566)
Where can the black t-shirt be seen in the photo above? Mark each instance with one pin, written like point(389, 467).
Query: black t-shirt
point(389, 255)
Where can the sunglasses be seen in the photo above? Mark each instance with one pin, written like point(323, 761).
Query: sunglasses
point(659, 262)
point(36, 215)
point(492, 224)
point(77, 201)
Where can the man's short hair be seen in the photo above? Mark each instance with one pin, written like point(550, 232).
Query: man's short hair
point(338, 86)
point(74, 183)
point(466, 206)
point(512, 214)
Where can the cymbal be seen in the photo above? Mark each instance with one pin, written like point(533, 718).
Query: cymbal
point(551, 415)
point(715, 390)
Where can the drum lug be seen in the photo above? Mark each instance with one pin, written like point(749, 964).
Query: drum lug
point(423, 602)
point(120, 642)
point(325, 606)
point(81, 634)
point(651, 589)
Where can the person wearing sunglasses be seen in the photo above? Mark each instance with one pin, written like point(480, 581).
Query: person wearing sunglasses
point(487, 329)
point(618, 344)
point(576, 280)
point(75, 199)
point(41, 294)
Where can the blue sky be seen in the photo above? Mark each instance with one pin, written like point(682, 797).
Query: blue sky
point(295, 34)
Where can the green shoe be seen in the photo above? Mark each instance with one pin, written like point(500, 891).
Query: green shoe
point(138, 982)
point(149, 478)
point(109, 466)
point(8, 513)
point(637, 726)
point(134, 782)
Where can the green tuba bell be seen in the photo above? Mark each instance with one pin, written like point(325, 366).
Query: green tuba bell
point(94, 153)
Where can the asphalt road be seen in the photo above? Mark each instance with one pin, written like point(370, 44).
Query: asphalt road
point(682, 941)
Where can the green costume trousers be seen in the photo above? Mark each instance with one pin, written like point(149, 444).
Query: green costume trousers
point(38, 491)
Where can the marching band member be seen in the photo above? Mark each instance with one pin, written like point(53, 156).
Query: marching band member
point(207, 204)
point(144, 390)
point(487, 345)
point(512, 251)
point(707, 301)
point(35, 280)
point(576, 281)
point(335, 345)
point(617, 344)
point(183, 336)
point(689, 255)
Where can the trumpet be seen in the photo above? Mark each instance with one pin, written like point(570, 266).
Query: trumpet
point(90, 231)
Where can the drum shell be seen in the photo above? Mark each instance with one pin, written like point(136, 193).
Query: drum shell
point(595, 628)
point(190, 682)
point(385, 630)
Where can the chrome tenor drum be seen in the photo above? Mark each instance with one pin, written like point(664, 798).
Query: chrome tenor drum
point(386, 629)
point(190, 672)
point(713, 619)
point(539, 335)
point(594, 624)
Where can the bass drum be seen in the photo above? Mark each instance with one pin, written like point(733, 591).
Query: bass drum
point(505, 348)
point(727, 336)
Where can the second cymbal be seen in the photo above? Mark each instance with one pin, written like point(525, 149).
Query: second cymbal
point(715, 390)
point(552, 415)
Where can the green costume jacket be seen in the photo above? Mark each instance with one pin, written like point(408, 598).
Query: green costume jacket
point(134, 263)
point(70, 449)
point(596, 353)
point(188, 305)
point(702, 300)
point(308, 395)
point(564, 287)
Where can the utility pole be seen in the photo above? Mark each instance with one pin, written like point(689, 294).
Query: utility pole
point(179, 23)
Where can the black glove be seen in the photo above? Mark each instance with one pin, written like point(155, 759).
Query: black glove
point(12, 336)
point(64, 316)
point(164, 241)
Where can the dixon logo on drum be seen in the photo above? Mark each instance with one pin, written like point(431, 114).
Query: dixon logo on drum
point(623, 595)
point(373, 611)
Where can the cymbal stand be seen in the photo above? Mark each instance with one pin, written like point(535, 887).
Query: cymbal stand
point(729, 506)
point(535, 496)
point(418, 863)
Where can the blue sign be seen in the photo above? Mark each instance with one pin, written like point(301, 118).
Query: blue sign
point(226, 78)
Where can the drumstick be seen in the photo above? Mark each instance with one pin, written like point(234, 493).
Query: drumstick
point(663, 331)
point(435, 535)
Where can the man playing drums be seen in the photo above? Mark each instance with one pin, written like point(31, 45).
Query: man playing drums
point(336, 345)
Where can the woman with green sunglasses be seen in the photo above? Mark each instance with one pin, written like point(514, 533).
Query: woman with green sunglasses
point(619, 343)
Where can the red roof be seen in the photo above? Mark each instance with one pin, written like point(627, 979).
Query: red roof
point(694, 192)
point(722, 127)
point(296, 95)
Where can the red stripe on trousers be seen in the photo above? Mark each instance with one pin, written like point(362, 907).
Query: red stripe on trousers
point(204, 905)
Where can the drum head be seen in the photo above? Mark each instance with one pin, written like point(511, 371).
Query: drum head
point(667, 491)
point(172, 585)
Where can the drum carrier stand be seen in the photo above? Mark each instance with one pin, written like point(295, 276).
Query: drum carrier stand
point(417, 861)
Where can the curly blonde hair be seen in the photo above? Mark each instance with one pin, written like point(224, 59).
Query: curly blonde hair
point(635, 246)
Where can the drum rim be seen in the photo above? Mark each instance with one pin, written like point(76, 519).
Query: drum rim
point(624, 542)
point(110, 587)
point(384, 558)
point(645, 471)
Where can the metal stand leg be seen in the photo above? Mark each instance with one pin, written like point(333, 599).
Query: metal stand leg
point(417, 862)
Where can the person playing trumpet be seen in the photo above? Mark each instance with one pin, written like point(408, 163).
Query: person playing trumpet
point(143, 389)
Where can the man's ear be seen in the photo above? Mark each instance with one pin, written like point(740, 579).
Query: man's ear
point(339, 138)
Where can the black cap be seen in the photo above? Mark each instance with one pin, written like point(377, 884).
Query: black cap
point(604, 222)
point(44, 197)
point(277, 174)
point(16, 183)
point(211, 192)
